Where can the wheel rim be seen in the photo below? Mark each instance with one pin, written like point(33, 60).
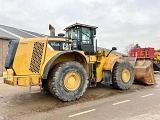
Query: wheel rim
point(126, 75)
point(72, 81)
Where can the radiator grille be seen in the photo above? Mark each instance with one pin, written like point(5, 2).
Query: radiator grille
point(36, 57)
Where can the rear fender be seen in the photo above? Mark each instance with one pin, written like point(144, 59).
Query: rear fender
point(52, 61)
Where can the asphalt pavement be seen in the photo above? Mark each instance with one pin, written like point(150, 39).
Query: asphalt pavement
point(100, 103)
point(143, 104)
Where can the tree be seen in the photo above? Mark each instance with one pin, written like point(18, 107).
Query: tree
point(129, 47)
point(137, 46)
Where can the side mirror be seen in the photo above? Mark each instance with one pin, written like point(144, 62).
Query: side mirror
point(114, 48)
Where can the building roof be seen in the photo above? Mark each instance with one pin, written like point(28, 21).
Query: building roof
point(7, 32)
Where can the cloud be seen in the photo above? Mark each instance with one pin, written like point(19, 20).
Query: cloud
point(120, 22)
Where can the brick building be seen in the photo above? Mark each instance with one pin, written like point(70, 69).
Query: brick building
point(9, 33)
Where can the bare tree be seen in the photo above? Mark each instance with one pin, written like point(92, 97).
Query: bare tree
point(137, 46)
point(129, 47)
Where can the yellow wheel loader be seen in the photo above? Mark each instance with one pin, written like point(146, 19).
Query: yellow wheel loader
point(156, 60)
point(67, 64)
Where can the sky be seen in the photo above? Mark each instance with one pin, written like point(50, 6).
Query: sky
point(120, 22)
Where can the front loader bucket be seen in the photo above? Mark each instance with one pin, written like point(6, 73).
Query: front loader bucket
point(143, 69)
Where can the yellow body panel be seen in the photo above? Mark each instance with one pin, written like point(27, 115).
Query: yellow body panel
point(27, 52)
point(22, 80)
point(24, 54)
point(105, 63)
point(109, 63)
point(157, 56)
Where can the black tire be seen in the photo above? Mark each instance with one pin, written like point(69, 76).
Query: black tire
point(118, 82)
point(57, 85)
point(45, 85)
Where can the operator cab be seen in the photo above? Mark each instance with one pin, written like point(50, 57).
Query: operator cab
point(83, 37)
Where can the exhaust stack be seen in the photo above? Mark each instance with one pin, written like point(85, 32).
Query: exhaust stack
point(52, 30)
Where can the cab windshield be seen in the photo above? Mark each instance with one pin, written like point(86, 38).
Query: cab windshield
point(72, 34)
point(76, 34)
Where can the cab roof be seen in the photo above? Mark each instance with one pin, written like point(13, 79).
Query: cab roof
point(78, 24)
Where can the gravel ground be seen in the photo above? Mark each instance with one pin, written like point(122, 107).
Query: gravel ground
point(16, 101)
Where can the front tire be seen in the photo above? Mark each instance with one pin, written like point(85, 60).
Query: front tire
point(122, 75)
point(68, 81)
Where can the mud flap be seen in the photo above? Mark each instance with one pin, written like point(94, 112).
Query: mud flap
point(143, 68)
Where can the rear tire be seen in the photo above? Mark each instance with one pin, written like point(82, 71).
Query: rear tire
point(68, 81)
point(122, 75)
point(45, 85)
